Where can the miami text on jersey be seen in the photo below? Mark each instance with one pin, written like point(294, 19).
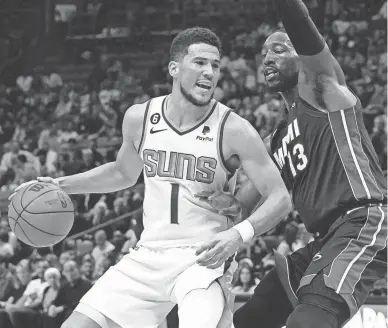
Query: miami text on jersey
point(292, 150)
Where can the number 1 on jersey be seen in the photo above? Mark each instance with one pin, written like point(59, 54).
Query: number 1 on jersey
point(174, 203)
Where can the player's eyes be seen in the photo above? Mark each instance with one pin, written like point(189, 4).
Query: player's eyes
point(200, 63)
point(216, 66)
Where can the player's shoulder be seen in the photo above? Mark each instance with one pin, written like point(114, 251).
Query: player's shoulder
point(236, 126)
point(136, 113)
point(135, 116)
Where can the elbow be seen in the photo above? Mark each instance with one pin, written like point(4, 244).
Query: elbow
point(124, 175)
point(285, 201)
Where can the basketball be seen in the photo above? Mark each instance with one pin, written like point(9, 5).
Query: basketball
point(41, 214)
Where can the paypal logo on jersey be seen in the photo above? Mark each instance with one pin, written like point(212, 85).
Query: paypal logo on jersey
point(179, 166)
point(205, 131)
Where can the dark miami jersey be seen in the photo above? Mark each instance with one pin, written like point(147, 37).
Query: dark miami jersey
point(328, 162)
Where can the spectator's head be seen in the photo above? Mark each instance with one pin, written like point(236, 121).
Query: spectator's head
point(88, 258)
point(41, 267)
point(119, 205)
point(245, 277)
point(53, 261)
point(22, 158)
point(52, 276)
point(281, 62)
point(42, 153)
point(100, 237)
point(71, 271)
point(64, 257)
point(194, 64)
point(87, 269)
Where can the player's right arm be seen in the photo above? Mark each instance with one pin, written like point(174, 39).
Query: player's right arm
point(110, 177)
point(120, 174)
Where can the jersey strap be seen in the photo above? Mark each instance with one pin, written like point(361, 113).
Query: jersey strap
point(220, 139)
point(145, 120)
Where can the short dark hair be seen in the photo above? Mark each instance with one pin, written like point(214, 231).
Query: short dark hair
point(181, 43)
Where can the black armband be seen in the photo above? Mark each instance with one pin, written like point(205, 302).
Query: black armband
point(299, 26)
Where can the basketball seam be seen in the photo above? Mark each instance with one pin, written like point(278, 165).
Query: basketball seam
point(25, 234)
point(24, 208)
point(48, 212)
point(49, 233)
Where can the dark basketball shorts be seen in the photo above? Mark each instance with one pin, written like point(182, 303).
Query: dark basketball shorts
point(341, 266)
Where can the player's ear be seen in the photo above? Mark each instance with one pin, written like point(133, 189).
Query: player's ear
point(173, 68)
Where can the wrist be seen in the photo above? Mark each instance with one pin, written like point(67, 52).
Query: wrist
point(60, 182)
point(245, 229)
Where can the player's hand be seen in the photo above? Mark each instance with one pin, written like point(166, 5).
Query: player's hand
point(214, 252)
point(39, 179)
point(225, 203)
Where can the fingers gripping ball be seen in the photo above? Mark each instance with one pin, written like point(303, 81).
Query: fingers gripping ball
point(41, 214)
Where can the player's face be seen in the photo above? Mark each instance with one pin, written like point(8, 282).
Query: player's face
point(199, 72)
point(281, 63)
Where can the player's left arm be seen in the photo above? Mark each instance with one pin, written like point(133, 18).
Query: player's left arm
point(321, 79)
point(265, 178)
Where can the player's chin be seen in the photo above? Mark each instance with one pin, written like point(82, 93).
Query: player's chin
point(203, 99)
point(274, 86)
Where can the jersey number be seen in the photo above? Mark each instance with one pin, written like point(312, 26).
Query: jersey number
point(174, 203)
point(301, 164)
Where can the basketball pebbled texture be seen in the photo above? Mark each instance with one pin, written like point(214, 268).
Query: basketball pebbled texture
point(41, 214)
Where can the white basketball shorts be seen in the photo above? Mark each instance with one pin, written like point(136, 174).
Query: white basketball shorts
point(140, 290)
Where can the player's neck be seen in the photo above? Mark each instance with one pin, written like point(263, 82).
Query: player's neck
point(182, 113)
point(290, 97)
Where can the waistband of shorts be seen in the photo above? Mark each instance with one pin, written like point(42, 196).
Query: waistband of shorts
point(342, 218)
point(364, 206)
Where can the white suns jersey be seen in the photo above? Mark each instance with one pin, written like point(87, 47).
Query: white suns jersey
point(177, 165)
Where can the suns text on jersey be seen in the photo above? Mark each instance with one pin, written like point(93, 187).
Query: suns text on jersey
point(294, 153)
point(179, 166)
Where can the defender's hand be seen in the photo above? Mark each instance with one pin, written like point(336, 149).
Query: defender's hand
point(224, 202)
point(219, 248)
point(40, 179)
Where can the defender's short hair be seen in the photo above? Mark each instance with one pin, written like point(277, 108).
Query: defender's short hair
point(181, 43)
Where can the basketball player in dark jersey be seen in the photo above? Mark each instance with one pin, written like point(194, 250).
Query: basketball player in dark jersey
point(328, 162)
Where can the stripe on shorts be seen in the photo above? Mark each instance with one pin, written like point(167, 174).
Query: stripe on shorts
point(347, 268)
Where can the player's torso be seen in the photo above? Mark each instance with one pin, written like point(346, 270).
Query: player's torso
point(177, 165)
point(328, 162)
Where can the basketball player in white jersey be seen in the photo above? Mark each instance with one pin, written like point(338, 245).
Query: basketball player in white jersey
point(185, 143)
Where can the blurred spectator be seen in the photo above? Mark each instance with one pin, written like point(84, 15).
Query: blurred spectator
point(6, 280)
point(290, 243)
point(103, 246)
point(69, 294)
point(33, 315)
point(6, 249)
point(246, 282)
